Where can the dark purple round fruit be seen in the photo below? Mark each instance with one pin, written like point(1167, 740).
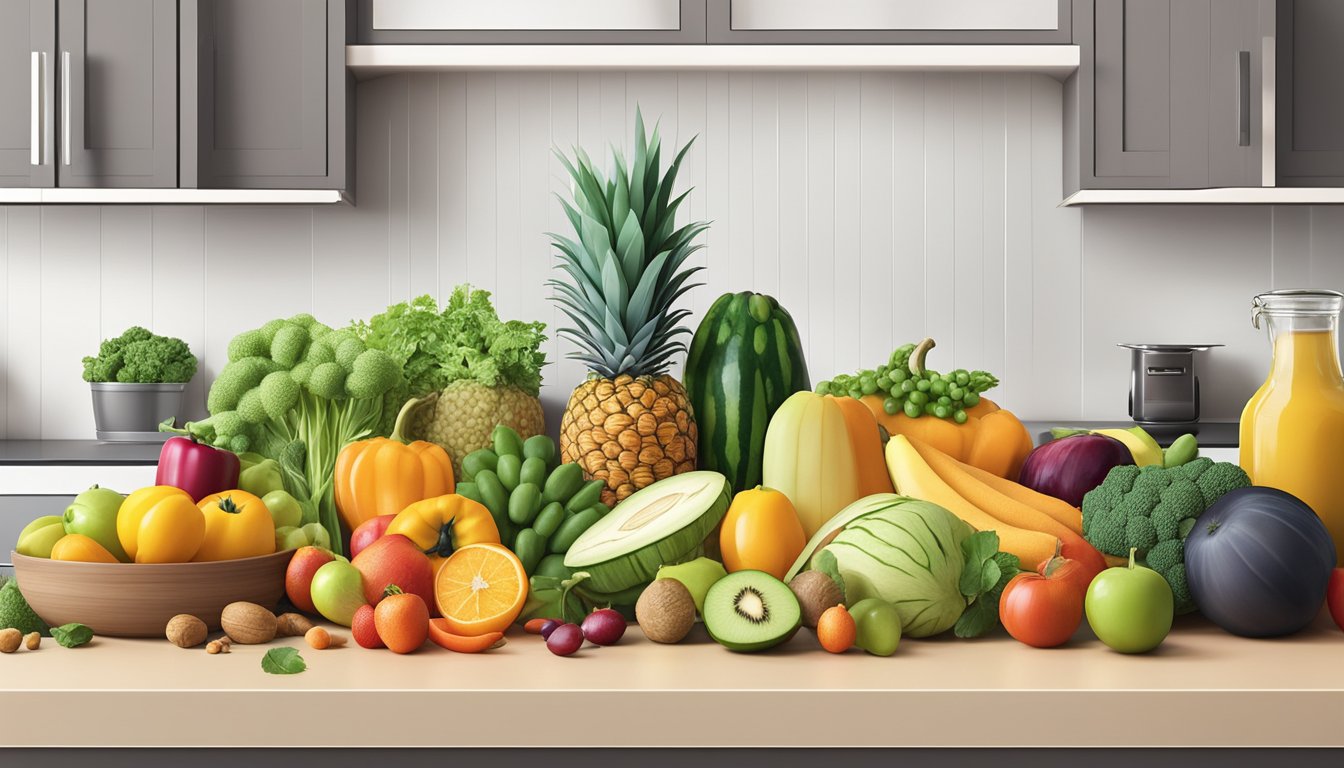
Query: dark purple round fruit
point(565, 639)
point(604, 626)
point(549, 627)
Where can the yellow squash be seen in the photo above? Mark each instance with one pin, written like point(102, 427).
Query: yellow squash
point(443, 524)
point(823, 453)
point(76, 547)
point(160, 524)
point(237, 524)
point(383, 476)
point(761, 532)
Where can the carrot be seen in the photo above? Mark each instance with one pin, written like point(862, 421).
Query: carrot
point(1060, 510)
point(1008, 509)
point(440, 634)
point(913, 477)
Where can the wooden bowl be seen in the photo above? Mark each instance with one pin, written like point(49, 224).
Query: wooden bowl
point(137, 600)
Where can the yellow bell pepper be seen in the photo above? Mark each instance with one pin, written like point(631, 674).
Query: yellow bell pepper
point(160, 524)
point(440, 525)
point(237, 524)
point(76, 547)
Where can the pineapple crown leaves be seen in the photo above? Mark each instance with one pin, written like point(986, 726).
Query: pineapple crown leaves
point(627, 267)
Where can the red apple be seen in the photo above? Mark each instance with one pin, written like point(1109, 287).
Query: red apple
point(299, 575)
point(368, 532)
point(395, 560)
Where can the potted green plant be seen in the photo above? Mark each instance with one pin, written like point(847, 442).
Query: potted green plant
point(137, 381)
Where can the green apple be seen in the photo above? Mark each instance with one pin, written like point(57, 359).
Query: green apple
point(697, 576)
point(290, 537)
point(285, 509)
point(878, 626)
point(94, 514)
point(317, 535)
point(38, 537)
point(1130, 607)
point(259, 475)
point(338, 591)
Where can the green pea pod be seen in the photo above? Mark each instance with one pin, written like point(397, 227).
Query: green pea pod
point(571, 529)
point(509, 470)
point(549, 519)
point(554, 565)
point(533, 471)
point(476, 461)
point(469, 490)
point(602, 509)
point(494, 497)
point(507, 442)
point(586, 496)
point(539, 447)
point(563, 483)
point(530, 546)
point(524, 503)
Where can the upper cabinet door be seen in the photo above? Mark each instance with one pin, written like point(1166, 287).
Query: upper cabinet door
point(889, 21)
point(629, 22)
point(1310, 93)
point(117, 73)
point(271, 94)
point(27, 76)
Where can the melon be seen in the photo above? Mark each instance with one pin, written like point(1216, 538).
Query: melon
point(664, 524)
point(744, 361)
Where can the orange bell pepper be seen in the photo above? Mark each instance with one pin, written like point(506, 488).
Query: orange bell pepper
point(992, 439)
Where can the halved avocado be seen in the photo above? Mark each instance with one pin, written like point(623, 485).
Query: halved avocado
point(663, 524)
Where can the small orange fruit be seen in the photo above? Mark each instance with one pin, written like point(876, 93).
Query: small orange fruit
point(402, 620)
point(836, 629)
point(480, 589)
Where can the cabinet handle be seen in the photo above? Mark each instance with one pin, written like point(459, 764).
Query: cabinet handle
point(65, 106)
point(1243, 98)
point(36, 143)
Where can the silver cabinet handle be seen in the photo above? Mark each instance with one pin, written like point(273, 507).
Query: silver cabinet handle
point(1268, 116)
point(1243, 98)
point(39, 60)
point(65, 106)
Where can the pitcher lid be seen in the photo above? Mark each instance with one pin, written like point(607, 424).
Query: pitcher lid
point(1297, 302)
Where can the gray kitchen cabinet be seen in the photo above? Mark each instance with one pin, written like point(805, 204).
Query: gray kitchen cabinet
point(27, 73)
point(505, 22)
point(118, 93)
point(887, 22)
point(1166, 94)
point(266, 97)
point(1310, 93)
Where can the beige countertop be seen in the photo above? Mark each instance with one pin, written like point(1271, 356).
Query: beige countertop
point(1202, 688)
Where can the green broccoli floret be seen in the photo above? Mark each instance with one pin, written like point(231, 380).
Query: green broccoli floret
point(373, 373)
point(140, 357)
point(249, 344)
point(1152, 510)
point(288, 345)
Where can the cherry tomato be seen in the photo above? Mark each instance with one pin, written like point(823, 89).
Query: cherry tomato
point(1042, 611)
point(1334, 596)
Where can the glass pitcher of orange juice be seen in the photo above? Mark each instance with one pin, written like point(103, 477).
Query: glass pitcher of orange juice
point(1292, 430)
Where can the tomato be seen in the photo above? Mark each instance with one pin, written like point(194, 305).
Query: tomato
point(1064, 569)
point(1334, 596)
point(1043, 610)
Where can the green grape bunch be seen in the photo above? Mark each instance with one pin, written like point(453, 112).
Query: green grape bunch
point(907, 385)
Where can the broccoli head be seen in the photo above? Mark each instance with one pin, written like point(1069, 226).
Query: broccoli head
point(140, 357)
point(1152, 509)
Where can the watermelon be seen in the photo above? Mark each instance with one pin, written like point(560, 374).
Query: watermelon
point(744, 362)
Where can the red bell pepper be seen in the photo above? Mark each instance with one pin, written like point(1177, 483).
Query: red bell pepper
point(196, 468)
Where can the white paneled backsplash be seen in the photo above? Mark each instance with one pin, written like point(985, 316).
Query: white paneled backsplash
point(877, 207)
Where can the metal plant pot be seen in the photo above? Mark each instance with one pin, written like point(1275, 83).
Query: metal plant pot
point(133, 412)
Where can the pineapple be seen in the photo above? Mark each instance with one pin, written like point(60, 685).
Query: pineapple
point(630, 423)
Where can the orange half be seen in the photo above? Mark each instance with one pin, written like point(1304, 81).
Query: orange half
point(480, 588)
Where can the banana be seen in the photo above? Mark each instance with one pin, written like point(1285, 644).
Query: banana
point(1141, 445)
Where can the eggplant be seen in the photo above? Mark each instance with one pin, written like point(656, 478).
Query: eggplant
point(1258, 562)
point(1069, 467)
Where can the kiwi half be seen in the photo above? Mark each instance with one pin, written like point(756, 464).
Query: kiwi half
point(751, 611)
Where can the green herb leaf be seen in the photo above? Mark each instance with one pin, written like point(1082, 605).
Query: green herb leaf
point(825, 562)
point(72, 635)
point(983, 612)
point(977, 549)
point(283, 661)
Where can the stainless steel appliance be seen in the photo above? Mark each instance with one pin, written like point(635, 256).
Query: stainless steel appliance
point(1163, 386)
